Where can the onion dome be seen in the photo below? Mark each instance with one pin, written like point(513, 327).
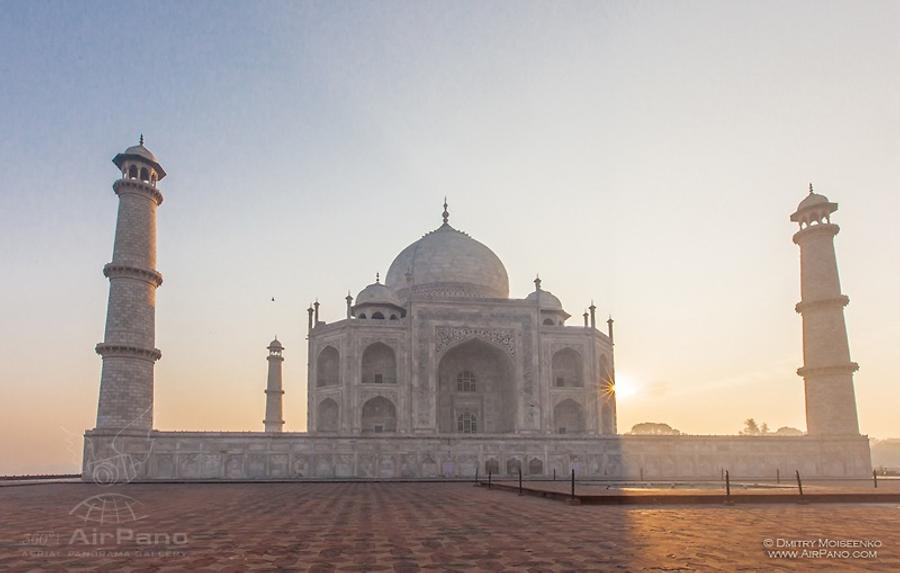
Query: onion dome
point(547, 299)
point(378, 301)
point(377, 293)
point(448, 263)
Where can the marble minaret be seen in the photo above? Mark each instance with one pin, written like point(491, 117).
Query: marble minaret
point(129, 346)
point(827, 369)
point(274, 392)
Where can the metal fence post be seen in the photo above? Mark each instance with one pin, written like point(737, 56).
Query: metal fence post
point(799, 483)
point(520, 481)
point(573, 483)
point(490, 474)
point(727, 484)
point(875, 478)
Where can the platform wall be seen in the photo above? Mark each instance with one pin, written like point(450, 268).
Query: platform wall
point(289, 456)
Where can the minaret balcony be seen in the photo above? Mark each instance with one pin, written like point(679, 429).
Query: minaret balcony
point(123, 350)
point(836, 302)
point(115, 270)
point(140, 187)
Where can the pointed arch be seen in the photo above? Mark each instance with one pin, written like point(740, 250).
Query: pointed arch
point(328, 416)
point(476, 378)
point(568, 368)
point(328, 367)
point(568, 417)
point(378, 415)
point(379, 364)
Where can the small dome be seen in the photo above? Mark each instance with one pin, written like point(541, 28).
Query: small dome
point(377, 293)
point(547, 298)
point(275, 345)
point(812, 200)
point(141, 151)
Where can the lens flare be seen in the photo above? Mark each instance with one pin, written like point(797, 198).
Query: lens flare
point(624, 386)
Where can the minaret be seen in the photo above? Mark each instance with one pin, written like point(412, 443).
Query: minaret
point(129, 346)
point(274, 393)
point(827, 369)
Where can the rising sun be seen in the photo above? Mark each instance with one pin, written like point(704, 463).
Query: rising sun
point(625, 386)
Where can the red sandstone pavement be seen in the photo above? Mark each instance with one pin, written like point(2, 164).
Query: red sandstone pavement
point(408, 527)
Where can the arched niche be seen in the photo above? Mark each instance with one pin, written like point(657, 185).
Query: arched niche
point(327, 416)
point(328, 367)
point(476, 377)
point(379, 364)
point(567, 369)
point(378, 415)
point(568, 417)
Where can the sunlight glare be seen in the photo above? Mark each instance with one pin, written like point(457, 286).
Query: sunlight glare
point(625, 386)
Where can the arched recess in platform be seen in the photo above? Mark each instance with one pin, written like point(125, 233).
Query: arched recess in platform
point(568, 417)
point(327, 416)
point(328, 367)
point(476, 378)
point(379, 364)
point(378, 415)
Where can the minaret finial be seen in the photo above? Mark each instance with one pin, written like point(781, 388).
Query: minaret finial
point(142, 139)
point(445, 214)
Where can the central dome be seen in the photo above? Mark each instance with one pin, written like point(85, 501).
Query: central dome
point(448, 263)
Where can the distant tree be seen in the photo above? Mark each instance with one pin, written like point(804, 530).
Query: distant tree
point(654, 429)
point(764, 428)
point(886, 454)
point(788, 431)
point(751, 428)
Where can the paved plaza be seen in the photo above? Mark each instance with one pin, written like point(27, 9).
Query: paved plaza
point(407, 527)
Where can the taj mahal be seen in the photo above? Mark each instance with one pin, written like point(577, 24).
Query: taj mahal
point(440, 348)
point(436, 373)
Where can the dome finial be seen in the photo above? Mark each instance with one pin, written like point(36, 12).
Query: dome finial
point(537, 282)
point(377, 278)
point(810, 189)
point(142, 139)
point(445, 214)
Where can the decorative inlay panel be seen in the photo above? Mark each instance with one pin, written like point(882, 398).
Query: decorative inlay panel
point(446, 336)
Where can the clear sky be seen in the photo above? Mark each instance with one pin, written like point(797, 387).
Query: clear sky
point(643, 155)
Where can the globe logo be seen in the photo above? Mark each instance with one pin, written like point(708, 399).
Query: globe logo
point(109, 508)
point(116, 469)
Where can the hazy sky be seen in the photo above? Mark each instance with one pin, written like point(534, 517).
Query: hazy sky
point(645, 155)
